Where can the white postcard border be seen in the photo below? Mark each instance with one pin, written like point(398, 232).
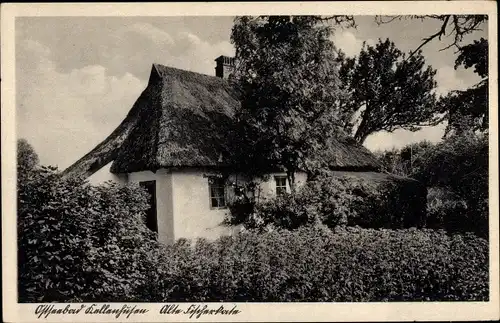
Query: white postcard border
point(429, 311)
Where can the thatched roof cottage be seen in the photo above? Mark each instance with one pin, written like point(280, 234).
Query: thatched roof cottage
point(173, 141)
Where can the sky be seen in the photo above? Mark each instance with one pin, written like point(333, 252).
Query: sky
point(77, 77)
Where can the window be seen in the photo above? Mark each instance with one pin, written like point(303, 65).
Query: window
point(217, 192)
point(280, 185)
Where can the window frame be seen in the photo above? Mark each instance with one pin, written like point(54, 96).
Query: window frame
point(280, 190)
point(217, 183)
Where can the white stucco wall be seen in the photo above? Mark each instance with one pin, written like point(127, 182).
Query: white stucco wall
point(193, 215)
point(183, 202)
point(104, 174)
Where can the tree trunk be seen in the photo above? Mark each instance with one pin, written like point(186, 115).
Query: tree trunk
point(360, 138)
point(362, 132)
point(360, 135)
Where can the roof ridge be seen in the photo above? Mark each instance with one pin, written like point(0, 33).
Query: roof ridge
point(159, 67)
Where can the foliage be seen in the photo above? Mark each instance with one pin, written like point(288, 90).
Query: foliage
point(314, 264)
point(460, 165)
point(387, 91)
point(27, 158)
point(406, 160)
point(464, 110)
point(455, 161)
point(474, 55)
point(338, 200)
point(456, 171)
point(288, 79)
point(461, 25)
point(83, 243)
point(79, 242)
point(447, 211)
point(467, 110)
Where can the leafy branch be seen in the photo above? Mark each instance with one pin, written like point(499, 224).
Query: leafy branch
point(460, 25)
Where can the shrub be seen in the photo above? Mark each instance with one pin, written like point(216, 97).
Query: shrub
point(340, 200)
point(459, 167)
point(456, 170)
point(79, 242)
point(450, 212)
point(316, 264)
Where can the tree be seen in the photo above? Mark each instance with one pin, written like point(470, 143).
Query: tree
point(459, 164)
point(474, 55)
point(464, 110)
point(455, 171)
point(460, 25)
point(468, 110)
point(27, 158)
point(287, 76)
point(406, 161)
point(387, 91)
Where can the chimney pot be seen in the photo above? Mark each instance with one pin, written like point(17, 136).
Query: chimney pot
point(224, 67)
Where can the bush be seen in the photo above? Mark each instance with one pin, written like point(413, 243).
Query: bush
point(339, 200)
point(456, 170)
point(82, 243)
point(316, 264)
point(449, 212)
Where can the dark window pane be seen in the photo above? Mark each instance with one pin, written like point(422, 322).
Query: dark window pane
point(222, 202)
point(219, 191)
point(151, 217)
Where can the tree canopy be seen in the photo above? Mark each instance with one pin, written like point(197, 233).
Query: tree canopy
point(467, 110)
point(297, 90)
point(387, 91)
point(464, 110)
point(287, 75)
point(27, 158)
point(457, 26)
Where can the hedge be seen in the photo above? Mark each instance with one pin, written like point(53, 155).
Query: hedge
point(316, 264)
point(82, 243)
point(79, 242)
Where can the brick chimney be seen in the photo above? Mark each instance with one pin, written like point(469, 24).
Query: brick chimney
point(225, 65)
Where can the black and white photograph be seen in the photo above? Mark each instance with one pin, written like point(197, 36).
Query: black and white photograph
point(208, 163)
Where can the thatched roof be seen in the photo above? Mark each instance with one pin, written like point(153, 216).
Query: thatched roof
point(344, 153)
point(182, 119)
